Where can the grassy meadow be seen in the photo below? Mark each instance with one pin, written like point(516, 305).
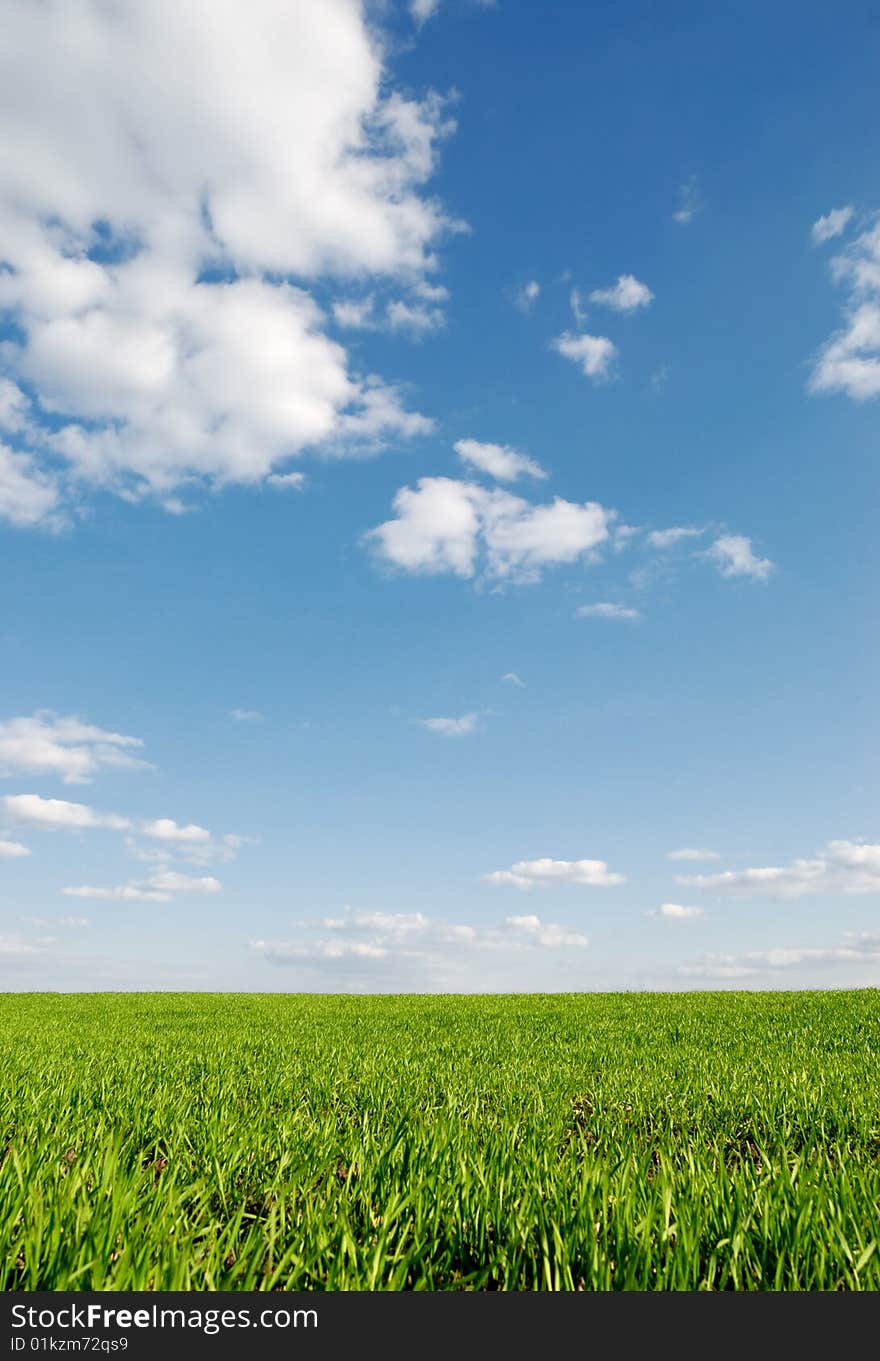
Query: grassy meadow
point(628, 1141)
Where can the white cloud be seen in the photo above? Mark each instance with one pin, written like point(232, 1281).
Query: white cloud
point(498, 460)
point(121, 893)
point(27, 496)
point(594, 354)
point(843, 867)
point(526, 297)
point(74, 923)
point(419, 941)
point(626, 295)
point(689, 202)
point(849, 361)
point(58, 814)
point(12, 850)
point(668, 538)
point(733, 556)
point(529, 873)
point(422, 10)
point(158, 888)
point(246, 715)
point(676, 911)
point(513, 679)
point(451, 727)
point(287, 481)
point(166, 829)
point(692, 853)
point(831, 224)
point(149, 240)
point(171, 881)
point(576, 303)
point(605, 609)
point(355, 314)
point(854, 947)
point(459, 527)
point(47, 744)
point(413, 317)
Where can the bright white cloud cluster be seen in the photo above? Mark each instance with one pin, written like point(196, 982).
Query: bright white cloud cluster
point(48, 744)
point(595, 355)
point(849, 361)
point(498, 460)
point(149, 236)
point(843, 867)
point(546, 873)
point(444, 525)
point(626, 295)
point(186, 841)
point(733, 556)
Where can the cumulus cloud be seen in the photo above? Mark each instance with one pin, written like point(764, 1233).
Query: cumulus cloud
point(595, 354)
point(451, 727)
point(605, 609)
point(149, 242)
point(498, 460)
point(58, 814)
point(831, 224)
point(545, 873)
point(626, 295)
point(460, 527)
point(692, 853)
point(849, 361)
point(28, 497)
point(842, 867)
point(47, 744)
point(12, 850)
point(732, 555)
point(668, 538)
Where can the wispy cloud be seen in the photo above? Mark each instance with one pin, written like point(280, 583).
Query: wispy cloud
point(513, 679)
point(831, 224)
point(246, 715)
point(692, 853)
point(689, 202)
point(526, 297)
point(45, 743)
point(606, 609)
point(451, 727)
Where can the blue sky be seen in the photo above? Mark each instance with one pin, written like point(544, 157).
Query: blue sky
point(355, 366)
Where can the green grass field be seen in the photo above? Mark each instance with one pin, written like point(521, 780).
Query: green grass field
point(675, 1142)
